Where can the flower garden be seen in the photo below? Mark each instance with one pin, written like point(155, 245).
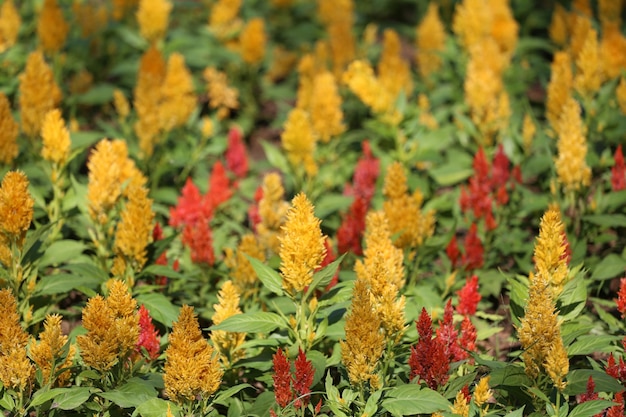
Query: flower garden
point(312, 208)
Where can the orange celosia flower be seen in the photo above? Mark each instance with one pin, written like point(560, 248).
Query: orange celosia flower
point(227, 343)
point(9, 129)
point(91, 17)
point(559, 88)
point(178, 100)
point(153, 17)
point(38, 93)
point(10, 22)
point(302, 246)
point(325, 107)
point(394, 71)
point(52, 28)
point(16, 205)
point(571, 167)
point(431, 37)
point(185, 379)
point(298, 141)
point(252, 41)
point(589, 71)
point(241, 271)
point(272, 211)
point(221, 95)
point(48, 351)
point(56, 138)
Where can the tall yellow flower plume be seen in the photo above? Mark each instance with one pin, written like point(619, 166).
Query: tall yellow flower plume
point(560, 87)
point(38, 93)
point(56, 138)
point(325, 107)
point(272, 211)
point(549, 255)
point(298, 141)
point(16, 370)
point(178, 99)
point(588, 67)
point(241, 272)
point(47, 352)
point(10, 22)
point(153, 17)
point(52, 28)
point(146, 99)
point(302, 246)
point(571, 167)
point(222, 97)
point(430, 42)
point(252, 41)
point(394, 72)
point(185, 379)
point(9, 129)
point(227, 343)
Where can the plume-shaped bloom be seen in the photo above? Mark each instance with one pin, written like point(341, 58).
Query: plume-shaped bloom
point(302, 246)
point(236, 157)
point(186, 379)
point(222, 97)
point(272, 212)
point(618, 171)
point(588, 67)
point(56, 138)
point(16, 206)
point(10, 22)
point(227, 343)
point(571, 167)
point(146, 99)
point(38, 93)
point(252, 41)
point(325, 107)
point(52, 28)
point(430, 42)
point(550, 251)
point(48, 352)
point(9, 129)
point(148, 335)
point(429, 361)
point(16, 370)
point(241, 271)
point(178, 99)
point(298, 140)
point(153, 17)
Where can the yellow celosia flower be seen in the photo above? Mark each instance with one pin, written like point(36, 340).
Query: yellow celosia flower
point(192, 370)
point(613, 49)
point(557, 364)
point(16, 370)
point(178, 100)
point(589, 72)
point(121, 104)
point(558, 29)
point(298, 141)
point(38, 93)
point(52, 28)
point(272, 211)
point(302, 246)
point(364, 342)
point(135, 228)
point(112, 325)
point(325, 107)
point(559, 88)
point(430, 43)
point(10, 22)
point(461, 406)
point(91, 17)
point(252, 41)
point(16, 206)
point(528, 132)
point(47, 352)
point(482, 393)
point(153, 17)
point(620, 93)
point(9, 129)
point(382, 269)
point(221, 95)
point(571, 167)
point(394, 71)
point(549, 254)
point(56, 138)
point(227, 343)
point(241, 271)
point(121, 7)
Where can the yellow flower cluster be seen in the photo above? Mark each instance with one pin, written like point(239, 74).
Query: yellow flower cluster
point(298, 141)
point(302, 246)
point(549, 255)
point(252, 41)
point(38, 93)
point(192, 370)
point(403, 210)
point(273, 212)
point(394, 72)
point(112, 325)
point(52, 28)
point(241, 271)
point(153, 17)
point(221, 96)
point(430, 42)
point(16, 370)
point(56, 139)
point(9, 129)
point(227, 343)
point(571, 167)
point(10, 22)
point(559, 88)
point(49, 350)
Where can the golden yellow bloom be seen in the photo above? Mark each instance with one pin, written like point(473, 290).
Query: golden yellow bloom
point(227, 343)
point(326, 113)
point(301, 245)
point(549, 254)
point(51, 27)
point(192, 370)
point(394, 71)
point(610, 11)
point(56, 138)
point(120, 102)
point(153, 17)
point(253, 40)
point(91, 17)
point(589, 72)
point(559, 88)
point(365, 341)
point(382, 269)
point(528, 132)
point(10, 22)
point(9, 129)
point(298, 140)
point(38, 93)
point(613, 49)
point(221, 95)
point(571, 167)
point(403, 210)
point(272, 211)
point(558, 29)
point(461, 406)
point(134, 230)
point(16, 205)
point(178, 100)
point(430, 43)
point(16, 370)
point(241, 271)
point(620, 93)
point(112, 328)
point(147, 96)
point(482, 393)
point(47, 352)
point(121, 7)
point(557, 364)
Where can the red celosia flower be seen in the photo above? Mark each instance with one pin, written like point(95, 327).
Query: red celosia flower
point(621, 300)
point(199, 238)
point(428, 359)
point(148, 335)
point(236, 158)
point(468, 335)
point(303, 379)
point(282, 379)
point(189, 207)
point(590, 395)
point(448, 335)
point(618, 172)
point(469, 297)
point(474, 251)
point(452, 250)
point(617, 410)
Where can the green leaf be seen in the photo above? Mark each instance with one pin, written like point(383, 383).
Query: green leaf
point(64, 283)
point(577, 382)
point(132, 394)
point(71, 398)
point(412, 399)
point(160, 307)
point(258, 322)
point(609, 267)
point(590, 408)
point(586, 345)
point(62, 251)
point(323, 277)
point(270, 278)
point(156, 407)
point(225, 395)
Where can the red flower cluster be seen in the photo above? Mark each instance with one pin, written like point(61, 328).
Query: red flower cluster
point(618, 172)
point(469, 297)
point(148, 335)
point(485, 187)
point(350, 232)
point(236, 158)
point(194, 213)
point(473, 256)
point(288, 388)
